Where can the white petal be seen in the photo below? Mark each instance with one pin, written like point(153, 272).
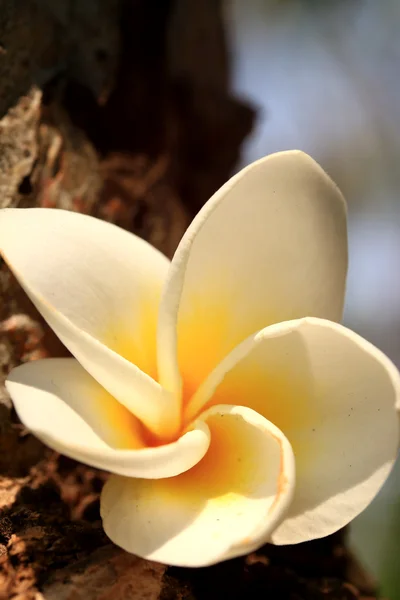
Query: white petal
point(270, 246)
point(226, 506)
point(334, 396)
point(98, 287)
point(58, 401)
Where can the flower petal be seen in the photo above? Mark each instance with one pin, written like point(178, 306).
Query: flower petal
point(69, 411)
point(334, 396)
point(270, 246)
point(225, 506)
point(98, 287)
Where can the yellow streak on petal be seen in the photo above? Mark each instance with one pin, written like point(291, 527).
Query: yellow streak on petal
point(224, 506)
point(208, 329)
point(289, 400)
point(200, 331)
point(226, 468)
point(211, 324)
point(116, 424)
point(136, 340)
point(231, 470)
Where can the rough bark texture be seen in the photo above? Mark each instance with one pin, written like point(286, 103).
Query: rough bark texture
point(121, 110)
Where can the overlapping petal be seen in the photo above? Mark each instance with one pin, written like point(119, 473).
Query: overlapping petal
point(270, 246)
point(225, 506)
point(334, 396)
point(68, 410)
point(98, 287)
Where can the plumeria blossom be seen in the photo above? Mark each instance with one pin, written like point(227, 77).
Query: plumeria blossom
point(218, 389)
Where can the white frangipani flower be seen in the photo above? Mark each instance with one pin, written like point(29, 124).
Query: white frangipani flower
point(219, 389)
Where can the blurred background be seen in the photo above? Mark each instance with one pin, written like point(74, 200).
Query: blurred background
point(324, 78)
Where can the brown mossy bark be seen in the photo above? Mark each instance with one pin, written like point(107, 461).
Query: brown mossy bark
point(120, 109)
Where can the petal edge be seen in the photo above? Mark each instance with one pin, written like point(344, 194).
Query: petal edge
point(226, 506)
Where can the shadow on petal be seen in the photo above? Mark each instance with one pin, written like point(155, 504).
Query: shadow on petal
point(68, 410)
point(224, 506)
point(334, 397)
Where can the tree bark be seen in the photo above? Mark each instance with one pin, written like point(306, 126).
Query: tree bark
point(106, 108)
